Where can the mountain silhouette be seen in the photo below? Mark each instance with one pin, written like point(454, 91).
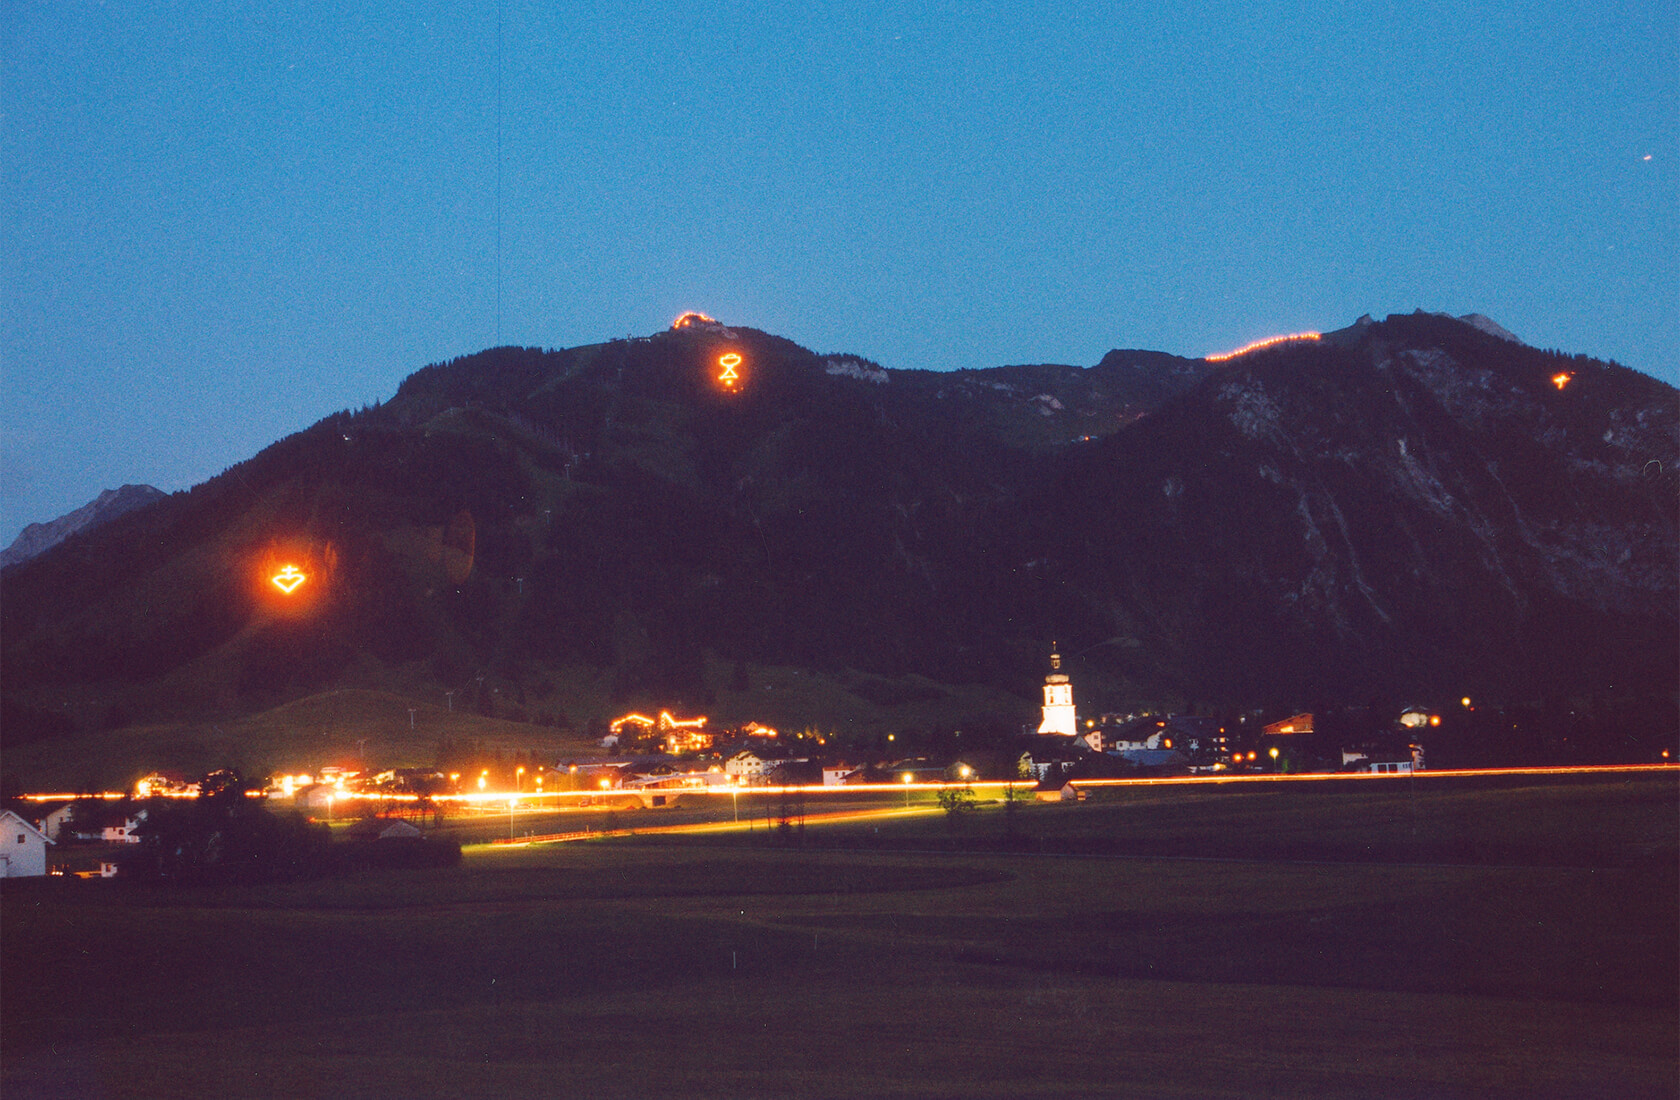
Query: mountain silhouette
point(1417, 507)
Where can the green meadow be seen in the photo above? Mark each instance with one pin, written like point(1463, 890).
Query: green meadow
point(1436, 939)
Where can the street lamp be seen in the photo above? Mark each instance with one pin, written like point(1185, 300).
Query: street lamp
point(905, 778)
point(518, 778)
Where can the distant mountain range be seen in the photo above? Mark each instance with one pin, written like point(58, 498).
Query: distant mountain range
point(38, 538)
point(1413, 508)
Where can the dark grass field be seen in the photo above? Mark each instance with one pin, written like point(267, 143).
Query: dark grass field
point(1466, 939)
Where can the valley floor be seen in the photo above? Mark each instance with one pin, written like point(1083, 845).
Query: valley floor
point(702, 967)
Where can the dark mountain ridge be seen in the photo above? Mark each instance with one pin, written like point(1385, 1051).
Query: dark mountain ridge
point(38, 538)
point(1411, 507)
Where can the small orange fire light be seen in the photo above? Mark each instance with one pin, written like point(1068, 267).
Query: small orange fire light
point(1561, 379)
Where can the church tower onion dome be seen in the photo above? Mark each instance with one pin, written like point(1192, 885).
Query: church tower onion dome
point(1059, 716)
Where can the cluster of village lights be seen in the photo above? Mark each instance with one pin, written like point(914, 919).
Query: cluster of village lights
point(734, 788)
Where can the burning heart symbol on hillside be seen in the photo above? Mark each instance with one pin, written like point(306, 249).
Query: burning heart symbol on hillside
point(288, 578)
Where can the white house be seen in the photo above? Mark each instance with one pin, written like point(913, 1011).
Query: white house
point(23, 848)
point(747, 767)
point(124, 831)
point(53, 823)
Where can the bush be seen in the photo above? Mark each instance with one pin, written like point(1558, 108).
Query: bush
point(956, 801)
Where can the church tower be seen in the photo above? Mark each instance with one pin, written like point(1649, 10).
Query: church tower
point(1058, 700)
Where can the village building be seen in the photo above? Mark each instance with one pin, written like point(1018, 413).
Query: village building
point(52, 817)
point(748, 767)
point(23, 848)
point(381, 828)
point(676, 736)
point(1048, 758)
point(124, 829)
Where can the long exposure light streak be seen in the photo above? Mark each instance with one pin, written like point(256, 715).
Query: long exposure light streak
point(544, 801)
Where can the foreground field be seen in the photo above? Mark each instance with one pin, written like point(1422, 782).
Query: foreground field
point(717, 967)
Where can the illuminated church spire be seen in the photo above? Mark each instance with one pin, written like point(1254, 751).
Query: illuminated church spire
point(1059, 715)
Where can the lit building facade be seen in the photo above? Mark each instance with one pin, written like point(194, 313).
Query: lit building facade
point(1059, 716)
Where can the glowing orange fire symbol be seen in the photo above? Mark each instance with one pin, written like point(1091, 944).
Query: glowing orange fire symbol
point(288, 579)
point(1561, 379)
point(729, 378)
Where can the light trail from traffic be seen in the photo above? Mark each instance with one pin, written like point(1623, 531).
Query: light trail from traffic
point(532, 801)
point(751, 825)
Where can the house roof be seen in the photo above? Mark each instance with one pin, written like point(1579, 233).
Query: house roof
point(1192, 725)
point(381, 828)
point(12, 820)
point(1152, 758)
point(1299, 723)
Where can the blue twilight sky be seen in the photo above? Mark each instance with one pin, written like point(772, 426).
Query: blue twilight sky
point(224, 220)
